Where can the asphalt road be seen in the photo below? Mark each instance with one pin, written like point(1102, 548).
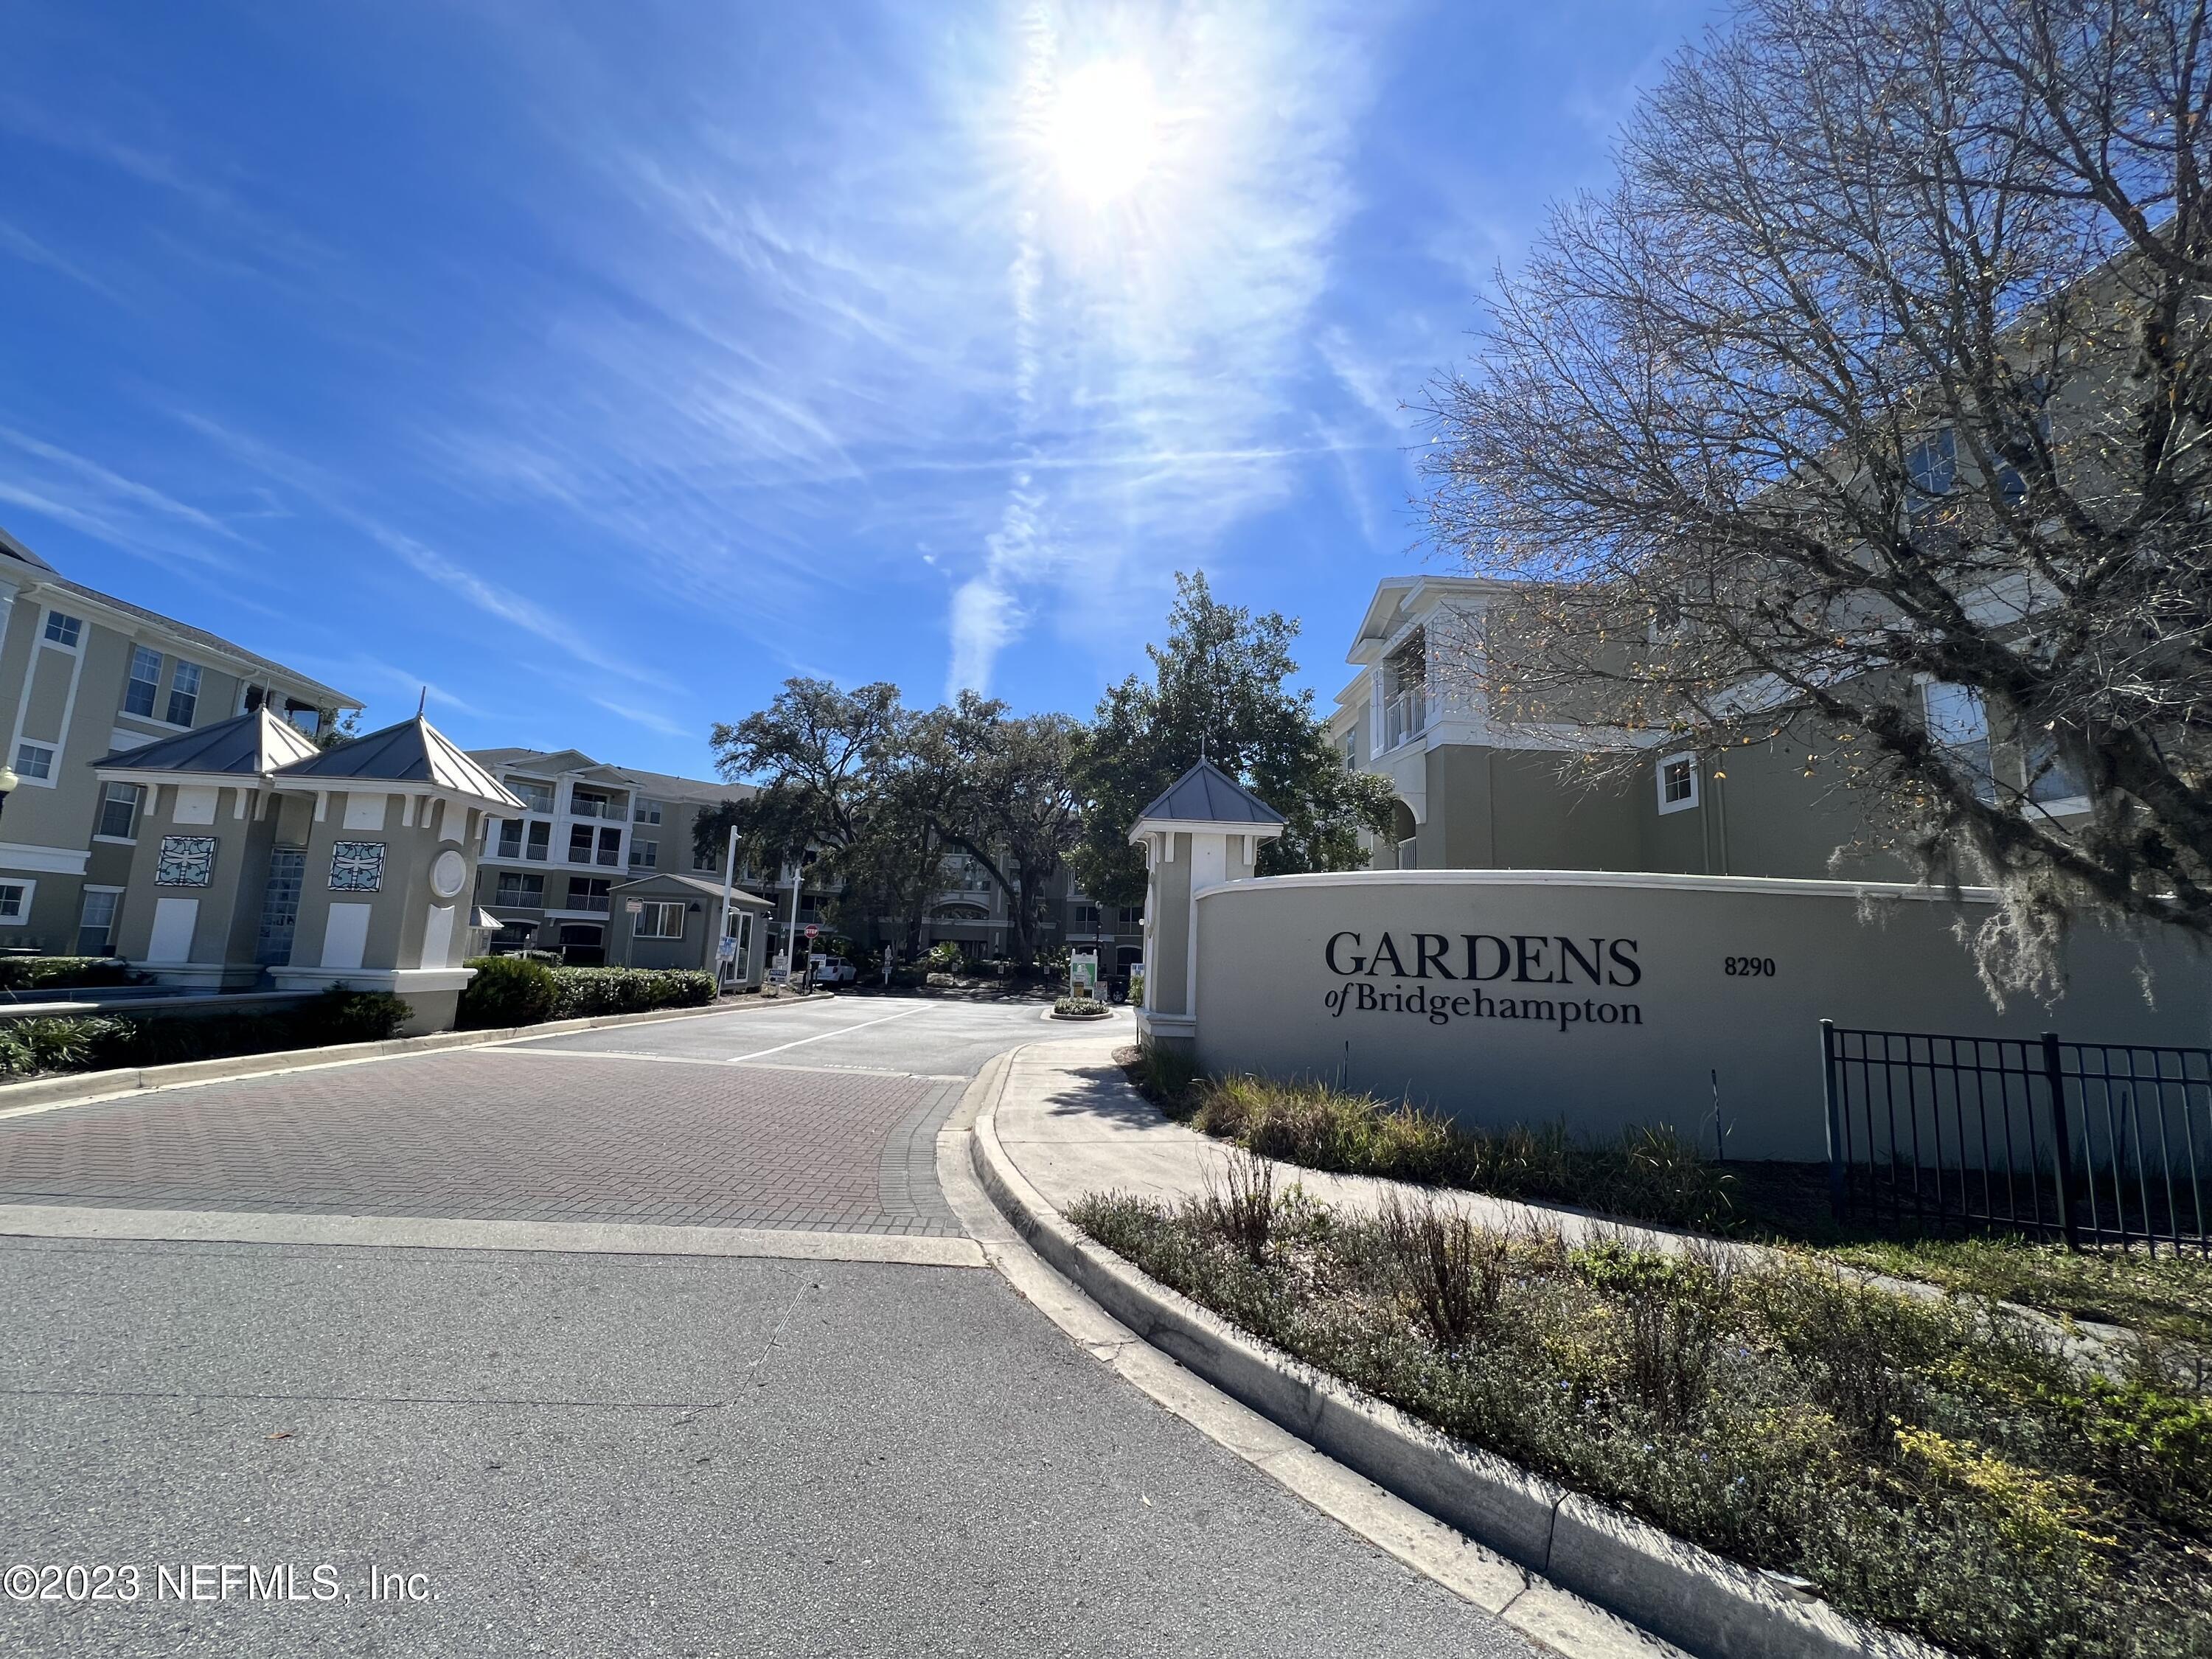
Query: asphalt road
point(585, 1454)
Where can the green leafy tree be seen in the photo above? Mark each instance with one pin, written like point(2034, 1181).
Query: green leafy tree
point(1218, 688)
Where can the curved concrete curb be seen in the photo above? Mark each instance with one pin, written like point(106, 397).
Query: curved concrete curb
point(1679, 1591)
point(81, 1088)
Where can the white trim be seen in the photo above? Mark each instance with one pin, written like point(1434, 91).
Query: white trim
point(374, 978)
point(51, 860)
point(1681, 756)
point(1201, 827)
point(1643, 880)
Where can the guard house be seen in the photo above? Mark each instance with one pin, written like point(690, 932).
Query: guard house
point(669, 920)
point(260, 854)
point(1205, 829)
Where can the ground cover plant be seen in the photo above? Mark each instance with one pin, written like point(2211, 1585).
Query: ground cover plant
point(1934, 1464)
point(61, 973)
point(1080, 1008)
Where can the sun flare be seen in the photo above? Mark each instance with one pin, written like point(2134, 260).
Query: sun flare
point(1103, 133)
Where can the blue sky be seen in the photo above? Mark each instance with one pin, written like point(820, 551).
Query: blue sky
point(600, 365)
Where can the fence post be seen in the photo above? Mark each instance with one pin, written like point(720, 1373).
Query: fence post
point(2062, 1132)
point(1835, 1118)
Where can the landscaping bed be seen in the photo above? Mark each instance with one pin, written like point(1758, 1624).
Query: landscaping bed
point(516, 991)
point(1937, 1465)
point(101, 1042)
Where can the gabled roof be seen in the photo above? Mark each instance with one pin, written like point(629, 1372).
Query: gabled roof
point(1206, 795)
point(249, 746)
point(697, 884)
point(413, 751)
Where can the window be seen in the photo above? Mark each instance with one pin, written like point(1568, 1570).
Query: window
point(541, 843)
point(579, 843)
point(64, 629)
point(16, 901)
point(647, 812)
point(34, 760)
point(185, 694)
point(119, 810)
point(1085, 916)
point(660, 921)
point(1959, 721)
point(1678, 783)
point(588, 892)
point(1931, 468)
point(1351, 751)
point(516, 888)
point(2050, 782)
point(305, 716)
point(537, 797)
point(592, 804)
point(510, 838)
point(96, 926)
point(610, 846)
point(644, 854)
point(1133, 915)
point(144, 683)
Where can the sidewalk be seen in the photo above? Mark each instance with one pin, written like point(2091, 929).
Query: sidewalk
point(1070, 1121)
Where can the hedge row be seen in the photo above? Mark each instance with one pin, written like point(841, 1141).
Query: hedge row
point(515, 990)
point(60, 972)
point(109, 1042)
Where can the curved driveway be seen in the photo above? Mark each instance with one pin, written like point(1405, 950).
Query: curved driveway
point(585, 1453)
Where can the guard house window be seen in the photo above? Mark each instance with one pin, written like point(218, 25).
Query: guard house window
point(64, 631)
point(516, 888)
point(34, 760)
point(119, 810)
point(185, 694)
point(144, 683)
point(95, 927)
point(1678, 783)
point(16, 901)
point(659, 921)
point(1959, 721)
point(537, 797)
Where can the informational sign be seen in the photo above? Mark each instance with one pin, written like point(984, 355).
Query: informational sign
point(636, 907)
point(728, 950)
point(1083, 973)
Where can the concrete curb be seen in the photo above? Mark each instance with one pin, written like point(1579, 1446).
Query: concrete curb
point(1681, 1592)
point(81, 1088)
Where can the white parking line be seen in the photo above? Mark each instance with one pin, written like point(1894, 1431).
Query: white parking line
point(842, 1031)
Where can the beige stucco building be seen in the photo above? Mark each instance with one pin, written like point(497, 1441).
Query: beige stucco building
point(83, 674)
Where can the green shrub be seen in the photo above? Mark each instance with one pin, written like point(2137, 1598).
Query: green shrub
point(942, 957)
point(507, 991)
point(1166, 1077)
point(60, 972)
point(31, 1046)
point(341, 1015)
point(589, 992)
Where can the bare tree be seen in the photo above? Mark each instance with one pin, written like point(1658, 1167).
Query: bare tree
point(1882, 367)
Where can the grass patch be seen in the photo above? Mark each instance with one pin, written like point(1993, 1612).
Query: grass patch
point(1649, 1173)
point(1936, 1466)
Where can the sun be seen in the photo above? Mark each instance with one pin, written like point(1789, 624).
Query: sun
point(1104, 132)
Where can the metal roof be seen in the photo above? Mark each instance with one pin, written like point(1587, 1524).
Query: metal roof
point(246, 745)
point(1206, 795)
point(413, 751)
point(700, 883)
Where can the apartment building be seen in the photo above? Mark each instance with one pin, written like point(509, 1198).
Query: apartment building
point(589, 826)
point(88, 675)
point(1479, 792)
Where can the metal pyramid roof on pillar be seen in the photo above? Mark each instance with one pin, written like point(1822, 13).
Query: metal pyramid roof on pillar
point(414, 751)
point(247, 745)
point(1206, 795)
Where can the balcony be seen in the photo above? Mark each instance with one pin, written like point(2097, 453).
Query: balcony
point(618, 811)
point(1406, 717)
point(592, 903)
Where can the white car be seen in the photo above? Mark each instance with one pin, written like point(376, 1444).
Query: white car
point(832, 970)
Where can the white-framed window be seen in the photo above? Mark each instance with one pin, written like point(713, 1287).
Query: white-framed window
point(2052, 784)
point(660, 919)
point(516, 888)
point(1958, 721)
point(1931, 466)
point(510, 838)
point(16, 902)
point(64, 631)
point(1678, 782)
point(305, 717)
point(118, 811)
point(144, 683)
point(645, 855)
point(537, 797)
point(645, 812)
point(95, 924)
point(184, 694)
point(34, 760)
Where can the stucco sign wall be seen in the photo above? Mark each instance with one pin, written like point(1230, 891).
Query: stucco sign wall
point(1502, 996)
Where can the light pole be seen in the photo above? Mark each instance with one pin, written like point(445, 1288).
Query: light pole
point(8, 782)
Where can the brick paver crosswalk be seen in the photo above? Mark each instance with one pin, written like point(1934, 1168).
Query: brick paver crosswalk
point(487, 1135)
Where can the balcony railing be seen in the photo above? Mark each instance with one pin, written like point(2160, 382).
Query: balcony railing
point(600, 809)
point(1406, 717)
point(595, 902)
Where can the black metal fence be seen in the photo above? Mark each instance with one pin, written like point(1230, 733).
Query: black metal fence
point(2092, 1143)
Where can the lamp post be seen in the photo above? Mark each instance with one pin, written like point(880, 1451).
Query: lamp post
point(8, 782)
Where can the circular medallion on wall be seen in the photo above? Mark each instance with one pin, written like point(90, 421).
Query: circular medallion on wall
point(449, 874)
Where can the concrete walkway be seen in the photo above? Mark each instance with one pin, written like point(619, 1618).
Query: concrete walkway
point(1072, 1124)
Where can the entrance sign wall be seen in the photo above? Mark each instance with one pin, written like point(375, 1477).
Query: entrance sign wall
point(1501, 996)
